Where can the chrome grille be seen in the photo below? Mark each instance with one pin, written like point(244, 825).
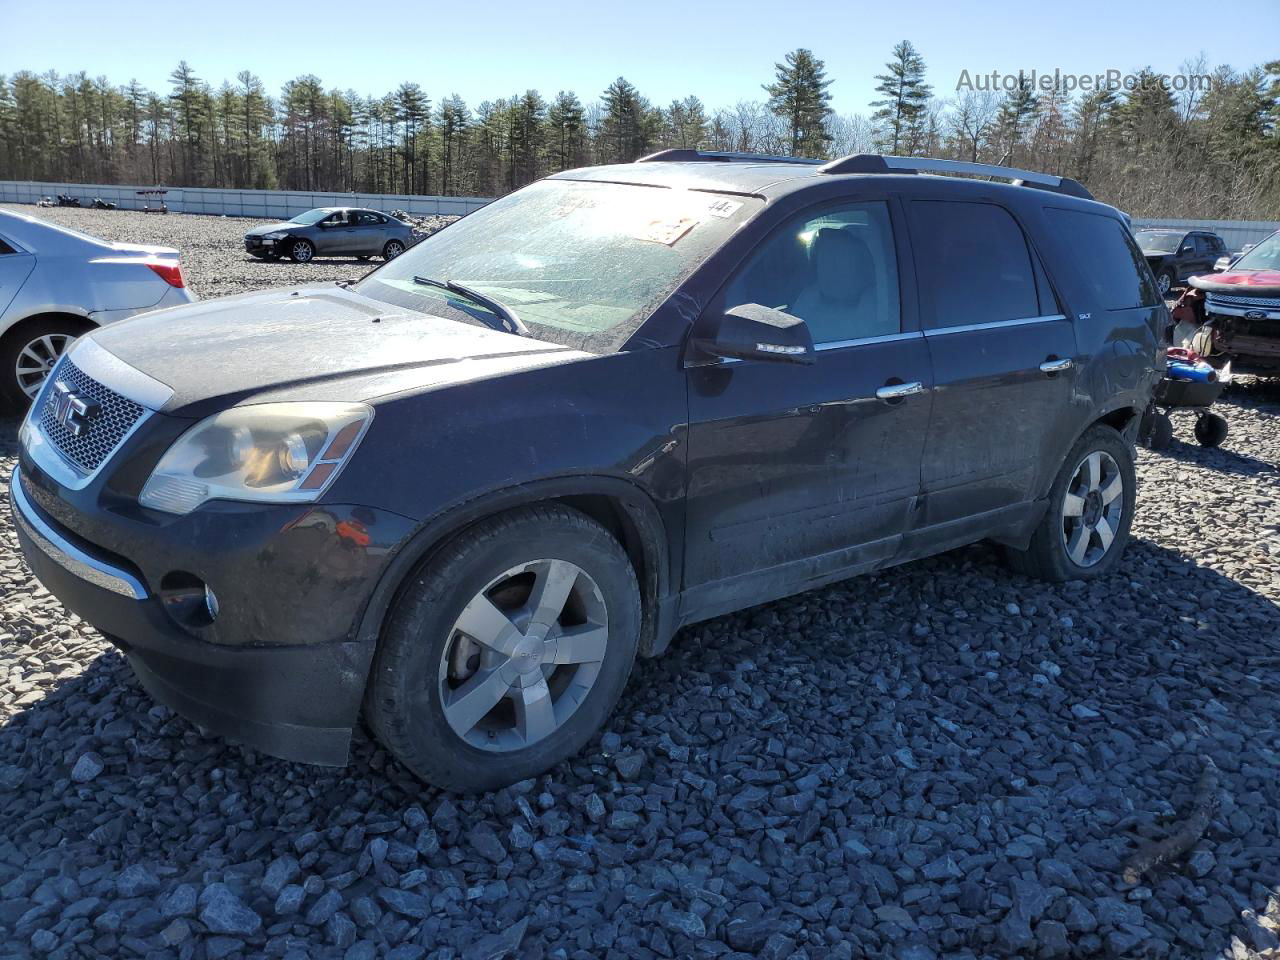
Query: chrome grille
point(1229, 300)
point(115, 418)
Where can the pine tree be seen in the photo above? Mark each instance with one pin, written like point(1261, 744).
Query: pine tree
point(566, 128)
point(455, 119)
point(1016, 111)
point(626, 131)
point(799, 96)
point(905, 97)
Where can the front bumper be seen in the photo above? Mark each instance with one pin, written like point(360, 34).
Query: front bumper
point(297, 702)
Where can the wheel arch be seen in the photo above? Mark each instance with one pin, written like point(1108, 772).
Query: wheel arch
point(621, 507)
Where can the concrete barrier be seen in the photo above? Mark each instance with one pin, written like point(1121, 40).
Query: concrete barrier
point(267, 204)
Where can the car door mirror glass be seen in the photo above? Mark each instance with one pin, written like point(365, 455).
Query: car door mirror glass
point(752, 331)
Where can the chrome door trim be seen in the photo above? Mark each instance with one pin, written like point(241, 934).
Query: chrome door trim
point(859, 341)
point(65, 553)
point(993, 325)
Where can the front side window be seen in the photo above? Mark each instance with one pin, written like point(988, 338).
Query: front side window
point(836, 270)
point(581, 262)
point(973, 263)
point(1107, 261)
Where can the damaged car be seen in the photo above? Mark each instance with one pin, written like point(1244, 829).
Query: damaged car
point(459, 497)
point(1234, 316)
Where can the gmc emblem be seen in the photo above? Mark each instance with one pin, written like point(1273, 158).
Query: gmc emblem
point(75, 411)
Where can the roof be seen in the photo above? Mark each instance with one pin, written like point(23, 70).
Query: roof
point(774, 179)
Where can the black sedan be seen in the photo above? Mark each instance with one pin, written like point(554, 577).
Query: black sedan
point(328, 232)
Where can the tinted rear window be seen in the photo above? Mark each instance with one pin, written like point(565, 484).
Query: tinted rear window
point(973, 263)
point(1107, 260)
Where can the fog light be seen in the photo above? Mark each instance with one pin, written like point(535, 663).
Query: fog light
point(188, 599)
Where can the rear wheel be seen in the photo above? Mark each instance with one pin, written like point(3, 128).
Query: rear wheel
point(301, 251)
point(507, 651)
point(1211, 429)
point(392, 249)
point(1086, 527)
point(29, 353)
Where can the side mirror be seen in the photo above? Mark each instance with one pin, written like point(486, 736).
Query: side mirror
point(755, 332)
point(1188, 248)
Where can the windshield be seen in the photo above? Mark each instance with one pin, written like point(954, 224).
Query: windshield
point(1158, 241)
point(1265, 256)
point(312, 216)
point(582, 263)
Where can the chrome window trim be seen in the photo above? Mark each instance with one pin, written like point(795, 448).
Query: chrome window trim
point(861, 341)
point(65, 553)
point(993, 325)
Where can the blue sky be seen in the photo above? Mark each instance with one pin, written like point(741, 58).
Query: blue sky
point(721, 52)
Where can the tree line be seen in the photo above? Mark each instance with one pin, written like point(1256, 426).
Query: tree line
point(1208, 150)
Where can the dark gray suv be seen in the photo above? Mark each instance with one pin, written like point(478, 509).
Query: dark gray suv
point(463, 494)
point(331, 232)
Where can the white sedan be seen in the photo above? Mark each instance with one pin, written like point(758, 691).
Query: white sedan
point(56, 284)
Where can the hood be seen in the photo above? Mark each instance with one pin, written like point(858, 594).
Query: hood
point(311, 344)
point(263, 229)
point(1245, 282)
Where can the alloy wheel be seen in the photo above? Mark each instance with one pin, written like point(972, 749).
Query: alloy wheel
point(393, 249)
point(1092, 508)
point(1163, 284)
point(301, 251)
point(523, 655)
point(38, 358)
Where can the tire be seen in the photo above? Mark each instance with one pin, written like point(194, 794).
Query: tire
point(418, 694)
point(392, 249)
point(1055, 553)
point(35, 347)
point(1211, 429)
point(1161, 432)
point(301, 251)
point(1165, 281)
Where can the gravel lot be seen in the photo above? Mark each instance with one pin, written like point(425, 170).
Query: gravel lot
point(942, 760)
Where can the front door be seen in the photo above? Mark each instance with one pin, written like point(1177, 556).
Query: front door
point(1003, 361)
point(798, 473)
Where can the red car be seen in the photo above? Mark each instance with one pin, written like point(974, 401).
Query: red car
point(1235, 315)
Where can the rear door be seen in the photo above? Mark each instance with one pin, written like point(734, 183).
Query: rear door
point(798, 472)
point(370, 233)
point(1003, 362)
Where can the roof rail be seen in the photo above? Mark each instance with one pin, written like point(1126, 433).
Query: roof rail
point(679, 155)
point(875, 163)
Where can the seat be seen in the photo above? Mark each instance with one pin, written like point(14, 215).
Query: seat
point(839, 302)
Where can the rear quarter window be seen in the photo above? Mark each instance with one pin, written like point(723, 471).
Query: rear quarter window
point(1108, 263)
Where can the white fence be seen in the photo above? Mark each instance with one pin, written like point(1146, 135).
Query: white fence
point(273, 204)
point(1235, 233)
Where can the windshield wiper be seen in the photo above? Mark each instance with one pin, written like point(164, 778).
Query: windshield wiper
point(511, 323)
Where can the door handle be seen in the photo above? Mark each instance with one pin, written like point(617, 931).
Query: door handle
point(899, 391)
point(1056, 366)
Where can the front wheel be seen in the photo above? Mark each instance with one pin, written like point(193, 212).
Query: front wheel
point(507, 651)
point(1164, 282)
point(28, 355)
point(392, 250)
point(301, 251)
point(1086, 526)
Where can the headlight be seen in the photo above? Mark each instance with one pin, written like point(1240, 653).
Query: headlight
point(278, 235)
point(271, 452)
